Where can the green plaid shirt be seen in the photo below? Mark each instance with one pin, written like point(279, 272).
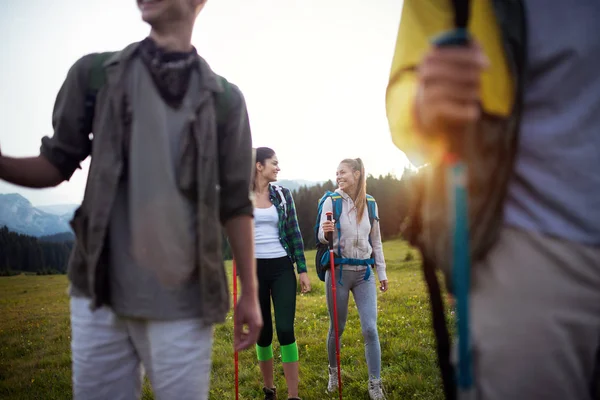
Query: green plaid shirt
point(289, 231)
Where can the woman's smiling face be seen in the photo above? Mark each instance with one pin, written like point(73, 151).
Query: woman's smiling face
point(346, 178)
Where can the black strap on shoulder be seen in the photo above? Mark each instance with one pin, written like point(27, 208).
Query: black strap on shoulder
point(96, 80)
point(222, 101)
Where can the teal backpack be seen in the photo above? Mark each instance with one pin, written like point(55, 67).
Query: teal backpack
point(322, 262)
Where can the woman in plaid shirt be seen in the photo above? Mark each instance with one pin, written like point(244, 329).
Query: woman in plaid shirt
point(278, 246)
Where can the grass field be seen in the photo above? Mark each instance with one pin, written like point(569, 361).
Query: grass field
point(35, 360)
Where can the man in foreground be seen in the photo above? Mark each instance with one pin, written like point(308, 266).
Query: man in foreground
point(171, 159)
point(519, 105)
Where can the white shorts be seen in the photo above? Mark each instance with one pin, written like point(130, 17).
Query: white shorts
point(108, 353)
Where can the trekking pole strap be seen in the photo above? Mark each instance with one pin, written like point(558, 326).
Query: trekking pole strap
point(440, 329)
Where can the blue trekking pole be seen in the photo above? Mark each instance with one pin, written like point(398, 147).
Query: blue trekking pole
point(457, 177)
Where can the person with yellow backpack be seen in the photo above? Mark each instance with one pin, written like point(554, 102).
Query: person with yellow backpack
point(517, 104)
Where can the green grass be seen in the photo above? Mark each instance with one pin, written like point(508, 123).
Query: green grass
point(35, 360)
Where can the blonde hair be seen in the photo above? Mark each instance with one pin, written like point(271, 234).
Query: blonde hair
point(360, 201)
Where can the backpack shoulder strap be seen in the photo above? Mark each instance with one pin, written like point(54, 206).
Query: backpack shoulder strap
point(97, 76)
point(96, 79)
point(222, 101)
point(319, 212)
point(336, 203)
point(372, 209)
point(279, 190)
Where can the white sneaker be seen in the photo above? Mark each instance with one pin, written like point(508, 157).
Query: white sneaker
point(332, 386)
point(375, 390)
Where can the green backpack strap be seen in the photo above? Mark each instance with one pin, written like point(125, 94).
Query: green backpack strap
point(222, 101)
point(96, 79)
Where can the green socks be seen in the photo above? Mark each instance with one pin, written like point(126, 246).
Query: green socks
point(264, 353)
point(289, 353)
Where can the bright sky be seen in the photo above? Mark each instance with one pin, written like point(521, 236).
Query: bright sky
point(313, 72)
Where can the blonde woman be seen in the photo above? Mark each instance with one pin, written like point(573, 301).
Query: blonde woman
point(355, 239)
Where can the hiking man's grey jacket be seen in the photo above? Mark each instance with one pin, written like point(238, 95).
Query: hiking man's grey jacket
point(216, 162)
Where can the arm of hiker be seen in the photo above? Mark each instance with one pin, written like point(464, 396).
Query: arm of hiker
point(235, 159)
point(61, 154)
point(236, 212)
point(430, 90)
point(326, 226)
point(378, 252)
point(33, 172)
point(240, 231)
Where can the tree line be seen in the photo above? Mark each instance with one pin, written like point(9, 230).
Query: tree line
point(50, 254)
point(42, 256)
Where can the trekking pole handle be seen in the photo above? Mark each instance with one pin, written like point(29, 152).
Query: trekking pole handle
point(329, 235)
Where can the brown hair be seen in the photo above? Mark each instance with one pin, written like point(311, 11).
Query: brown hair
point(261, 154)
point(360, 201)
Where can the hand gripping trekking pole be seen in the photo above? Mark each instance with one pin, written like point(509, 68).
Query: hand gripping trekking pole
point(334, 295)
point(235, 353)
point(457, 177)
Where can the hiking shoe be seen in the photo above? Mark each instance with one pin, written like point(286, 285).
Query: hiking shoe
point(270, 394)
point(375, 390)
point(332, 386)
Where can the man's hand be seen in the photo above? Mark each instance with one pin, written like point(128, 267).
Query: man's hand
point(448, 98)
point(240, 230)
point(248, 321)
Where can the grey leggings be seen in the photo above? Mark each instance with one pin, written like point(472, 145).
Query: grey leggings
point(365, 296)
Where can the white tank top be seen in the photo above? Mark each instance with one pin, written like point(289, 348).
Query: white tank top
point(266, 233)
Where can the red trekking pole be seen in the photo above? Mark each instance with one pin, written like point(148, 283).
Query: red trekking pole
point(333, 292)
point(235, 353)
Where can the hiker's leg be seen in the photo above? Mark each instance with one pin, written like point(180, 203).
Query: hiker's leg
point(283, 291)
point(536, 319)
point(105, 363)
point(264, 345)
point(365, 296)
point(176, 355)
point(343, 294)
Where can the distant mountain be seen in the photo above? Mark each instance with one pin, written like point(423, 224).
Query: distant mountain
point(58, 237)
point(59, 209)
point(19, 215)
point(294, 184)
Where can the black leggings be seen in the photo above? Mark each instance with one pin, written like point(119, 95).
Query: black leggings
point(276, 278)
